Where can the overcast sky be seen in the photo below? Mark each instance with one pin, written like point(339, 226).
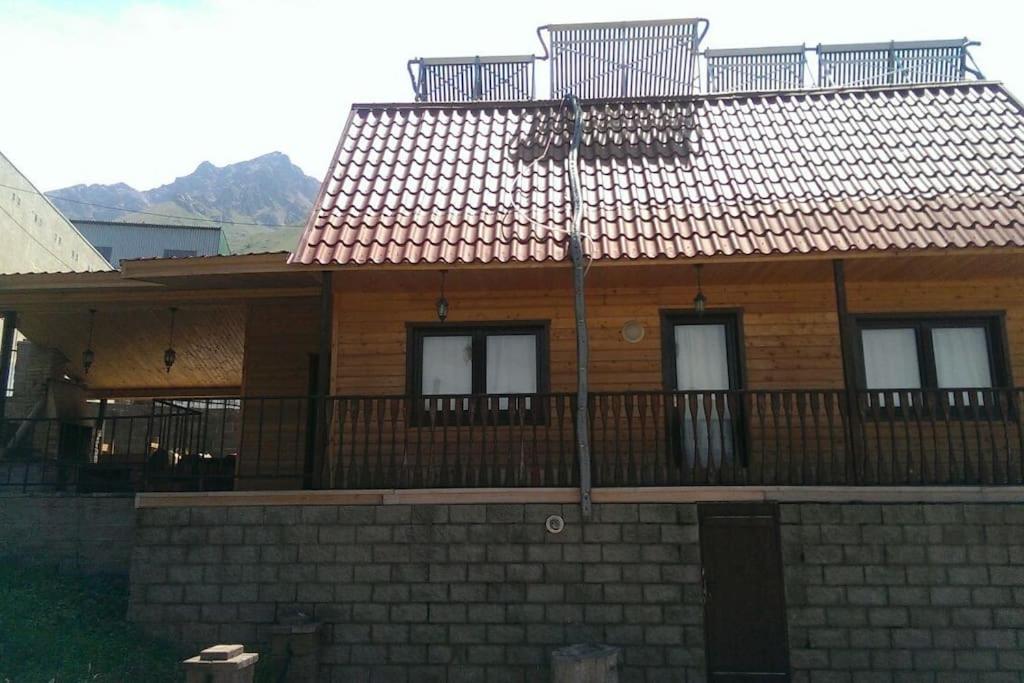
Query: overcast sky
point(141, 91)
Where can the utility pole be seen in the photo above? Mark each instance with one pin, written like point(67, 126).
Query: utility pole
point(582, 338)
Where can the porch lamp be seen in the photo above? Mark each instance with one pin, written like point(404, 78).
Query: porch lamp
point(700, 302)
point(88, 356)
point(169, 355)
point(442, 302)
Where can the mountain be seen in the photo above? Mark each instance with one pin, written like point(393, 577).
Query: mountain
point(268, 191)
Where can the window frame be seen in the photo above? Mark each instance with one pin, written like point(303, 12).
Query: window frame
point(997, 348)
point(478, 333)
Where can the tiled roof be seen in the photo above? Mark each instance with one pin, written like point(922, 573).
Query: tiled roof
point(757, 173)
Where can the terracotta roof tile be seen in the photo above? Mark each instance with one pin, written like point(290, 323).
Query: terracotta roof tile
point(796, 172)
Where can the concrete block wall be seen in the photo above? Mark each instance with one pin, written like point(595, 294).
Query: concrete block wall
point(875, 592)
point(92, 534)
point(430, 592)
point(905, 592)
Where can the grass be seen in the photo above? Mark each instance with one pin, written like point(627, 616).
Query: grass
point(66, 629)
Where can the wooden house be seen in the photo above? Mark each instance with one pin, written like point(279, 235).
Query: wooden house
point(787, 288)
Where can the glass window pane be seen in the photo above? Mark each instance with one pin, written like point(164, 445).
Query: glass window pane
point(701, 357)
point(447, 365)
point(890, 359)
point(511, 365)
point(961, 357)
point(961, 360)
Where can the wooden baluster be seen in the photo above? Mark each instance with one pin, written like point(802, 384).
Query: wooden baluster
point(1004, 402)
point(773, 401)
point(806, 470)
point(758, 399)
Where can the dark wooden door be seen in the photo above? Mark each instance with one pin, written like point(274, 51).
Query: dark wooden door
point(744, 598)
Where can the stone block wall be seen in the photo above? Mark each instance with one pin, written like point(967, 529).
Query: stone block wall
point(92, 534)
point(430, 592)
point(905, 592)
point(875, 592)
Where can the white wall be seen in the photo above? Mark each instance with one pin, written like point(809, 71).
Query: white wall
point(34, 236)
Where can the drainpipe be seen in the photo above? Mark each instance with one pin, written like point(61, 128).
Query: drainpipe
point(582, 340)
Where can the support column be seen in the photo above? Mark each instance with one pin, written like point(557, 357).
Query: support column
point(10, 319)
point(313, 475)
point(847, 347)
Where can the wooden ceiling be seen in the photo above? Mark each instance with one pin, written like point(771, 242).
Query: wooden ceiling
point(129, 341)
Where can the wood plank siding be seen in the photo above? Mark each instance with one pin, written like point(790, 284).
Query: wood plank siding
point(281, 337)
point(790, 340)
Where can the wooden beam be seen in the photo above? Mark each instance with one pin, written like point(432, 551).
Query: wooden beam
point(607, 496)
point(60, 299)
point(313, 465)
point(165, 392)
point(847, 349)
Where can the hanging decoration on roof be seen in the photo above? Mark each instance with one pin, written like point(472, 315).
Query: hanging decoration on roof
point(89, 356)
point(700, 302)
point(442, 302)
point(170, 355)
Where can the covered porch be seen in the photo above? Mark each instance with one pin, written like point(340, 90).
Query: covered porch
point(291, 379)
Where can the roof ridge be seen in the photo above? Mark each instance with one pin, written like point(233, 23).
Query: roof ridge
point(739, 95)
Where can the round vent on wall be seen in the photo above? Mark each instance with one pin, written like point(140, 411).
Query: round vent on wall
point(633, 331)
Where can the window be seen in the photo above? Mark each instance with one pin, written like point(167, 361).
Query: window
point(106, 252)
point(908, 354)
point(496, 360)
point(179, 253)
point(702, 355)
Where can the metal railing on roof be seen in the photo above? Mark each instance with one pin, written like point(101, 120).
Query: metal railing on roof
point(461, 79)
point(755, 68)
point(624, 59)
point(660, 59)
point(894, 63)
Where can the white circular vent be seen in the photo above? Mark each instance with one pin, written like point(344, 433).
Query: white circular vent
point(633, 331)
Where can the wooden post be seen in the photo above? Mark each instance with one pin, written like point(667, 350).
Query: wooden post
point(847, 347)
point(10, 319)
point(313, 475)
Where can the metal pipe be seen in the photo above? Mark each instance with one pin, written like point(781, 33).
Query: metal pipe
point(10, 320)
point(582, 339)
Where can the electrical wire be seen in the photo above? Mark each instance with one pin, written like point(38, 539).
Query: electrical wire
point(152, 213)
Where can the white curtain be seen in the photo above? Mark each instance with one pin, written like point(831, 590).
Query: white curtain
point(961, 360)
point(890, 361)
point(511, 365)
point(447, 366)
point(702, 363)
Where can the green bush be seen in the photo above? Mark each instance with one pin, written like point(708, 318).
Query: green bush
point(66, 629)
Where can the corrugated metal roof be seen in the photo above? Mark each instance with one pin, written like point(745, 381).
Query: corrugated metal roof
point(121, 241)
point(758, 173)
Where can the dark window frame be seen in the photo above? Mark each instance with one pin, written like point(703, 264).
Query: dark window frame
point(180, 253)
point(478, 332)
point(735, 351)
point(997, 348)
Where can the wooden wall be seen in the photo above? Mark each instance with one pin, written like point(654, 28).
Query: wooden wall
point(789, 327)
point(789, 323)
point(280, 336)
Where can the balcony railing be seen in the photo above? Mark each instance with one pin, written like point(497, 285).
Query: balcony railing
point(793, 437)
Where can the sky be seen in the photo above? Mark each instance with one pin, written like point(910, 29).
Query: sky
point(142, 91)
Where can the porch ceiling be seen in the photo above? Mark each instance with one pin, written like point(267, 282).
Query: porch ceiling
point(129, 342)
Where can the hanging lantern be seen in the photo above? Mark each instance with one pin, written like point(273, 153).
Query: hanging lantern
point(700, 302)
point(442, 302)
point(169, 355)
point(89, 356)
